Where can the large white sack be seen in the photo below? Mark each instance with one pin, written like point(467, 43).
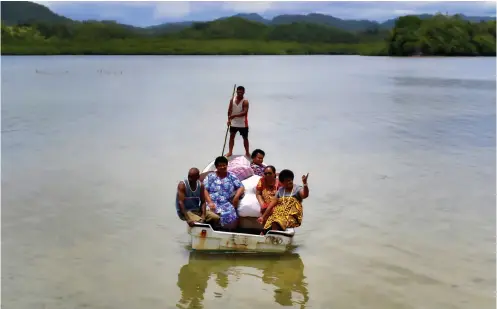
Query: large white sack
point(250, 184)
point(249, 206)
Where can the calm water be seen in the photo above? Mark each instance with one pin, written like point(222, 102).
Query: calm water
point(401, 156)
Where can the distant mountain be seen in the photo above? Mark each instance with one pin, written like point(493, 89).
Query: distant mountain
point(242, 29)
point(313, 18)
point(18, 12)
point(253, 17)
point(168, 27)
point(321, 19)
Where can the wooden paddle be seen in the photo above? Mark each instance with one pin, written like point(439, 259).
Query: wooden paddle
point(228, 128)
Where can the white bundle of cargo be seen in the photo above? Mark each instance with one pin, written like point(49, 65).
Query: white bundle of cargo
point(249, 205)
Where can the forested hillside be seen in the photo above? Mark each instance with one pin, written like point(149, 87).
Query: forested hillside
point(33, 29)
point(441, 35)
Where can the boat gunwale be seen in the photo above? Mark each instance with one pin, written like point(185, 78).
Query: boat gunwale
point(290, 233)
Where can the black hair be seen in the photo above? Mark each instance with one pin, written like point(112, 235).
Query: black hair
point(240, 88)
point(286, 174)
point(272, 168)
point(220, 159)
point(256, 152)
point(194, 170)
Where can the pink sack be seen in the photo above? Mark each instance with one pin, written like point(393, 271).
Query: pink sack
point(242, 172)
point(238, 161)
point(240, 167)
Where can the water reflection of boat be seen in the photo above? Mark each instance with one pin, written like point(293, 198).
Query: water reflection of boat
point(284, 272)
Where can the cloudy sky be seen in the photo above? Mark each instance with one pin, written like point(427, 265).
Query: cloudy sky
point(146, 13)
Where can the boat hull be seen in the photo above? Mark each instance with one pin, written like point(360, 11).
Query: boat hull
point(204, 238)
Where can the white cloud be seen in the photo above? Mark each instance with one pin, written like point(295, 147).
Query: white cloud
point(51, 4)
point(171, 9)
point(138, 4)
point(404, 12)
point(247, 6)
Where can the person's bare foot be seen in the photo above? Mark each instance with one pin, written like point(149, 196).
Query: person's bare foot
point(247, 155)
point(229, 154)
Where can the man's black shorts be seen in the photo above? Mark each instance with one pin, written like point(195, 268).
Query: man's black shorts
point(243, 131)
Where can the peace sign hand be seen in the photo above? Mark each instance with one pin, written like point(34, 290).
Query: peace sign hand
point(304, 179)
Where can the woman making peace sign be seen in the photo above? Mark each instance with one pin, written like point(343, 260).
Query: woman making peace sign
point(285, 211)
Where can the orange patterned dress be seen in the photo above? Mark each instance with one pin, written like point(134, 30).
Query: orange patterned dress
point(267, 192)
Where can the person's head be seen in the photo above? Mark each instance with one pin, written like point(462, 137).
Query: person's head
point(270, 172)
point(240, 91)
point(193, 174)
point(221, 164)
point(258, 156)
point(286, 178)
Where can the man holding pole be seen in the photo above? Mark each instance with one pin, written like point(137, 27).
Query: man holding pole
point(238, 120)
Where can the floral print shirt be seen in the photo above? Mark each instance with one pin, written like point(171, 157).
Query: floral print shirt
point(221, 191)
point(258, 169)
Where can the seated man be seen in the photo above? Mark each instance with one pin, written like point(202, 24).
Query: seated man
point(257, 159)
point(190, 201)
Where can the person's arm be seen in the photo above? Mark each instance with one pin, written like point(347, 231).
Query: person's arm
point(207, 196)
point(258, 193)
point(245, 108)
point(181, 200)
point(266, 214)
point(239, 191)
point(236, 198)
point(202, 201)
point(304, 192)
point(230, 108)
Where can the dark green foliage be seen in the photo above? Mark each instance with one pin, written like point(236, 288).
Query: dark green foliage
point(326, 20)
point(307, 33)
point(442, 35)
point(229, 28)
point(19, 12)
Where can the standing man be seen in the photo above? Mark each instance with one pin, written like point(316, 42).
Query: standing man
point(238, 119)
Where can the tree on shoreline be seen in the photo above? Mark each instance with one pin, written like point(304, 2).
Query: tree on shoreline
point(442, 35)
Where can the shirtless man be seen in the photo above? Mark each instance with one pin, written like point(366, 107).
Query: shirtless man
point(238, 120)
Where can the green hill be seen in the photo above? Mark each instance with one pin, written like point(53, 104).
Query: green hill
point(240, 28)
point(321, 19)
point(313, 18)
point(389, 24)
point(29, 28)
point(228, 28)
point(442, 35)
point(19, 12)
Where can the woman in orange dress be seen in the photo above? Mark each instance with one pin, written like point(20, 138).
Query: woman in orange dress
point(267, 187)
point(285, 210)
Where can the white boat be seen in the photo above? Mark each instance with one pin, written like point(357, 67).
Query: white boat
point(205, 238)
point(246, 239)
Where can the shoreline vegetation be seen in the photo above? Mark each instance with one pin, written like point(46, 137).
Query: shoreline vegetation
point(439, 35)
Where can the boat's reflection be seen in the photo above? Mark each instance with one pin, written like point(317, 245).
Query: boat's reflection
point(284, 272)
